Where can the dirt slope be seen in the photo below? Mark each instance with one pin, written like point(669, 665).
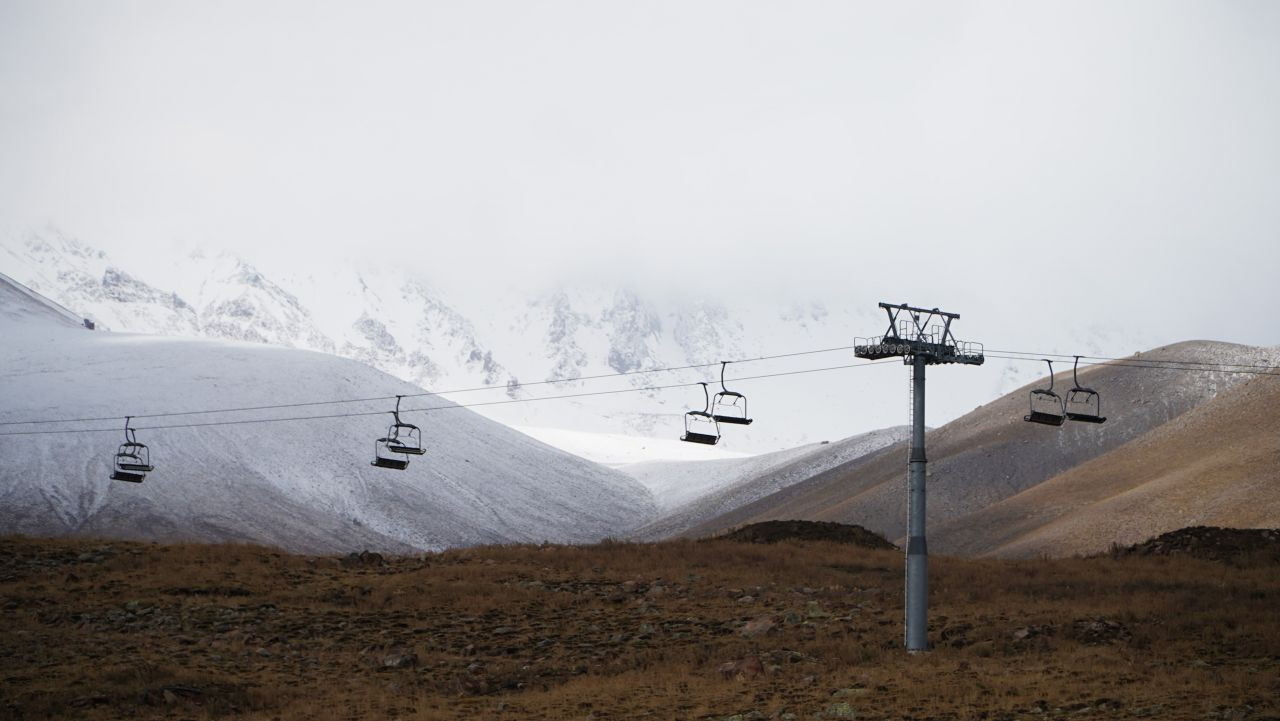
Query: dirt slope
point(991, 455)
point(1217, 465)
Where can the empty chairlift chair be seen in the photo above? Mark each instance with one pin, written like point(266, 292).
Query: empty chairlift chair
point(385, 457)
point(1047, 407)
point(401, 441)
point(1083, 404)
point(727, 406)
point(132, 461)
point(701, 426)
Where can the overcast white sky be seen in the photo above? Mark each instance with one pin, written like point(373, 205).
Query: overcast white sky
point(1069, 162)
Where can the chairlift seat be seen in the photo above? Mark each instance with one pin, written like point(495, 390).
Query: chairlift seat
point(729, 401)
point(704, 438)
point(1084, 405)
point(706, 419)
point(119, 475)
point(140, 467)
point(1046, 396)
point(408, 450)
point(396, 463)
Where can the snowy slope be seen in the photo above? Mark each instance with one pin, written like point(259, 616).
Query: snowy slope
point(304, 485)
point(626, 451)
point(689, 493)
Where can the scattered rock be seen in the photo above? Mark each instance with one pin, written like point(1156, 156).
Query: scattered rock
point(363, 559)
point(1028, 632)
point(405, 659)
point(956, 635)
point(741, 669)
point(1209, 542)
point(840, 709)
point(814, 610)
point(758, 627)
point(775, 531)
point(851, 692)
point(1098, 631)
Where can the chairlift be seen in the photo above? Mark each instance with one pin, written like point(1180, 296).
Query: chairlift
point(1083, 404)
point(385, 457)
point(727, 406)
point(701, 426)
point(132, 461)
point(1046, 406)
point(404, 437)
point(402, 440)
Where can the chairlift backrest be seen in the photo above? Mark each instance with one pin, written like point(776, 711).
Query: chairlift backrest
point(701, 426)
point(729, 406)
point(1083, 404)
point(405, 438)
point(1045, 406)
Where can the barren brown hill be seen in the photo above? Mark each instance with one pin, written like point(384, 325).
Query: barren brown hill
point(706, 631)
point(991, 455)
point(1216, 465)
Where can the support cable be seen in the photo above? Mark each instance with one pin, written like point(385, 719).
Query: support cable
point(427, 409)
point(279, 406)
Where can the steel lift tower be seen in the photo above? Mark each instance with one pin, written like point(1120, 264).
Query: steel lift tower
point(922, 337)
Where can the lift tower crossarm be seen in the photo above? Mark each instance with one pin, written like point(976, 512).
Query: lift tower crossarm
point(924, 332)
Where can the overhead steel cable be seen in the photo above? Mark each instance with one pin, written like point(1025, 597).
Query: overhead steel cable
point(1130, 362)
point(428, 409)
point(1139, 363)
point(1177, 361)
point(306, 404)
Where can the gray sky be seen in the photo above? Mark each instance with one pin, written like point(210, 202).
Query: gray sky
point(1070, 163)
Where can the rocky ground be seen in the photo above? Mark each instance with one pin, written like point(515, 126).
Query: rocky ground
point(775, 531)
point(683, 630)
point(1248, 545)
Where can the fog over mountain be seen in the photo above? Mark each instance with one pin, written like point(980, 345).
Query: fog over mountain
point(631, 184)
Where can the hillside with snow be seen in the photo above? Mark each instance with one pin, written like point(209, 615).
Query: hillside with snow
point(305, 485)
point(690, 493)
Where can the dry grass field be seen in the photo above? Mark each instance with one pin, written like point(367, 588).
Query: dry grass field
point(678, 630)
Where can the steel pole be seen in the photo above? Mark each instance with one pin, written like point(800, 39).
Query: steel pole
point(917, 592)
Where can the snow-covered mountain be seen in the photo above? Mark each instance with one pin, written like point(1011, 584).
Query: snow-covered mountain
point(502, 348)
point(304, 485)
